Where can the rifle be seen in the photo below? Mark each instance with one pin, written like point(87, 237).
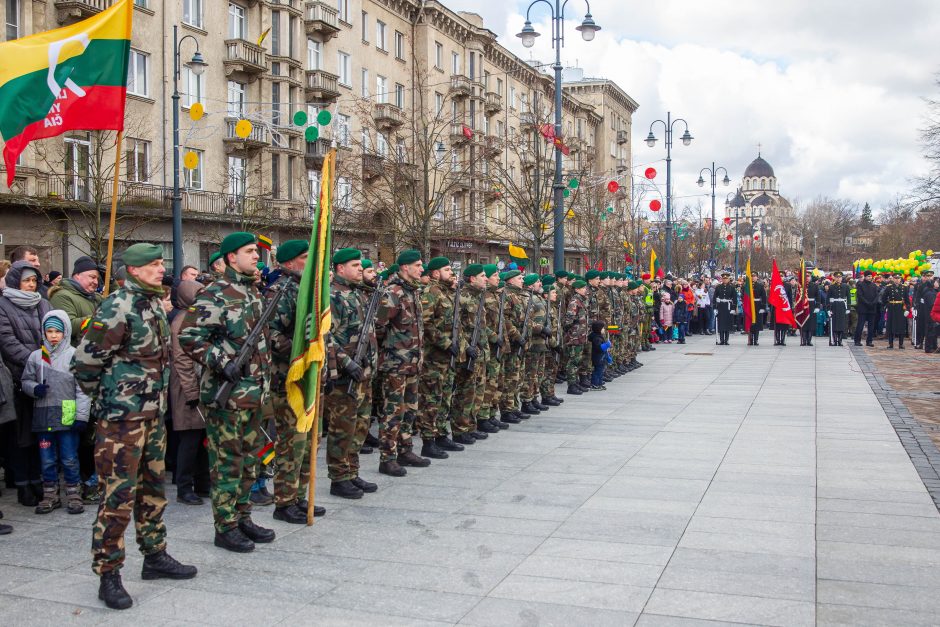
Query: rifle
point(247, 349)
point(362, 346)
point(561, 317)
point(475, 338)
point(455, 325)
point(499, 324)
point(524, 335)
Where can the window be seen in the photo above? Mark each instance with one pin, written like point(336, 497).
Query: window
point(454, 208)
point(313, 186)
point(137, 73)
point(192, 87)
point(291, 29)
point(454, 63)
point(438, 103)
point(192, 179)
point(499, 86)
point(13, 19)
point(365, 139)
point(236, 21)
point(399, 95)
point(400, 151)
point(453, 112)
point(365, 27)
point(399, 45)
point(342, 130)
point(380, 35)
point(342, 68)
point(381, 144)
point(500, 128)
point(290, 177)
point(276, 104)
point(137, 160)
point(473, 66)
point(524, 102)
point(344, 193)
point(314, 51)
point(381, 89)
point(438, 55)
point(342, 7)
point(236, 176)
point(365, 83)
point(276, 175)
point(512, 98)
point(453, 159)
point(192, 13)
point(276, 33)
point(486, 80)
point(235, 104)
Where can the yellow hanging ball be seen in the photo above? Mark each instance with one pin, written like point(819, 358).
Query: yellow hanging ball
point(196, 111)
point(190, 160)
point(929, 253)
point(243, 129)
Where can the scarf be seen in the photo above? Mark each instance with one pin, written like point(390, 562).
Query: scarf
point(81, 290)
point(23, 300)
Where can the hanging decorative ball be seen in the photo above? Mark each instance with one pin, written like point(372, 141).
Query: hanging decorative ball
point(756, 235)
point(312, 134)
point(613, 186)
point(566, 193)
point(196, 111)
point(190, 160)
point(610, 209)
point(300, 118)
point(570, 214)
point(243, 129)
point(730, 237)
point(573, 183)
point(650, 173)
point(727, 220)
point(324, 118)
point(655, 205)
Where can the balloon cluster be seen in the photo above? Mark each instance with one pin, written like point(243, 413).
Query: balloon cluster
point(913, 265)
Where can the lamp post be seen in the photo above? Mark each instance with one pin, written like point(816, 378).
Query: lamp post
point(651, 141)
point(701, 183)
point(528, 34)
point(736, 220)
point(198, 65)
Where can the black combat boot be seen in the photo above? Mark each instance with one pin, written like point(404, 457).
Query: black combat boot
point(161, 565)
point(479, 435)
point(366, 450)
point(392, 469)
point(445, 443)
point(112, 591)
point(464, 439)
point(410, 458)
point(317, 509)
point(499, 424)
point(529, 408)
point(585, 383)
point(509, 417)
point(432, 450)
point(556, 399)
point(549, 401)
point(540, 406)
point(521, 415)
point(372, 441)
point(234, 540)
point(290, 514)
point(345, 489)
point(486, 427)
point(573, 388)
point(258, 534)
point(366, 486)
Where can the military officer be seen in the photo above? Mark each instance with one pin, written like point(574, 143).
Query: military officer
point(760, 308)
point(897, 306)
point(838, 306)
point(469, 381)
point(370, 281)
point(123, 364)
point(576, 331)
point(726, 306)
point(495, 303)
point(553, 323)
point(534, 359)
point(514, 319)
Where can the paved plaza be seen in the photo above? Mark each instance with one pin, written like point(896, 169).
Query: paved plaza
point(762, 486)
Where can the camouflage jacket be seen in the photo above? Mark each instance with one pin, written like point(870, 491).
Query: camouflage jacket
point(281, 329)
point(399, 328)
point(553, 322)
point(491, 302)
point(615, 297)
point(576, 321)
point(123, 360)
point(539, 321)
point(604, 310)
point(213, 331)
point(349, 303)
point(593, 308)
point(469, 304)
point(437, 311)
point(514, 313)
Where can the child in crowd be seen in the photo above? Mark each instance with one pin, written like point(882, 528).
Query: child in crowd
point(666, 312)
point(60, 412)
point(599, 354)
point(680, 317)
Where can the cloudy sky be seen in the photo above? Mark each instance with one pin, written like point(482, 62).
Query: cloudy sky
point(833, 91)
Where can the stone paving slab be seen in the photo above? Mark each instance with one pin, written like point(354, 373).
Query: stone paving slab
point(762, 486)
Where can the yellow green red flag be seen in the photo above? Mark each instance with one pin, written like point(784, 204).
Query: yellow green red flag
point(70, 78)
point(656, 270)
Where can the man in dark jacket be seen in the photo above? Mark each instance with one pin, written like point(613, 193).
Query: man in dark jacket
point(921, 309)
point(866, 306)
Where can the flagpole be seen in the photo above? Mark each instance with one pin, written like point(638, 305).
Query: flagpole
point(111, 226)
point(314, 446)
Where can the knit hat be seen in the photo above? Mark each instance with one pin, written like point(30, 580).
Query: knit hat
point(408, 256)
point(591, 274)
point(291, 249)
point(141, 254)
point(435, 264)
point(578, 284)
point(530, 279)
point(473, 269)
point(55, 274)
point(344, 255)
point(53, 322)
point(84, 264)
point(490, 269)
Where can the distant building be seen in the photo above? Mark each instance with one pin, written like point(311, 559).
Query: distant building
point(758, 209)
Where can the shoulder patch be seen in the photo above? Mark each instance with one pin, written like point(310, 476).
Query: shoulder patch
point(97, 324)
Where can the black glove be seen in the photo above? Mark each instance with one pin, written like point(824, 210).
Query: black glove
point(354, 371)
point(193, 404)
point(231, 372)
point(473, 352)
point(454, 350)
point(40, 390)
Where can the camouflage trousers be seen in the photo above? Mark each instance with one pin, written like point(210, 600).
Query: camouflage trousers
point(348, 417)
point(644, 330)
point(468, 395)
point(292, 455)
point(574, 354)
point(547, 384)
point(234, 441)
point(491, 384)
point(533, 369)
point(129, 460)
point(585, 367)
point(435, 385)
point(396, 422)
point(511, 379)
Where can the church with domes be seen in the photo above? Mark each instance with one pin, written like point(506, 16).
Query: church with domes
point(759, 212)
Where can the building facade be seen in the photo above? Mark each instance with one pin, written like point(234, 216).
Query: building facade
point(759, 214)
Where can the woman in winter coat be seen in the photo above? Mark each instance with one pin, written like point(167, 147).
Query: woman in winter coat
point(22, 309)
point(7, 417)
point(192, 460)
point(666, 309)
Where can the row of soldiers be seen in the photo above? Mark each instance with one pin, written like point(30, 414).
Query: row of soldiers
point(481, 351)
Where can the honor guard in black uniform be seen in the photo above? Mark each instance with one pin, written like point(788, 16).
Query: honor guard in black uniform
point(760, 308)
point(838, 307)
point(895, 300)
point(726, 304)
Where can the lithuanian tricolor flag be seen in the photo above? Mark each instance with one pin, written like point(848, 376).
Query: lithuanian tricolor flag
point(518, 255)
point(70, 78)
point(656, 270)
point(747, 298)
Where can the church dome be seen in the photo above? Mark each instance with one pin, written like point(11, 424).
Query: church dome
point(759, 168)
point(762, 201)
point(738, 200)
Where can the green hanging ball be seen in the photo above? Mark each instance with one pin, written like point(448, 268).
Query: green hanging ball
point(573, 183)
point(610, 209)
point(300, 118)
point(324, 118)
point(312, 133)
point(566, 193)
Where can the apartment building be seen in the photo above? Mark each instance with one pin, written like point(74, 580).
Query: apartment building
point(426, 108)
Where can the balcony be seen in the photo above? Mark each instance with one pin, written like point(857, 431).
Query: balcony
point(460, 86)
point(294, 7)
point(459, 132)
point(71, 11)
point(256, 140)
point(315, 153)
point(623, 137)
point(321, 19)
point(461, 180)
point(321, 86)
point(372, 166)
point(527, 120)
point(621, 166)
point(243, 60)
point(387, 116)
point(494, 103)
point(493, 146)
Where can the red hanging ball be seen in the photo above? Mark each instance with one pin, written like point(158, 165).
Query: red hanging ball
point(727, 220)
point(730, 237)
point(613, 186)
point(650, 173)
point(655, 205)
point(756, 235)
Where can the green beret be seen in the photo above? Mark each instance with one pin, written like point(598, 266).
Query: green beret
point(578, 284)
point(141, 254)
point(591, 274)
point(561, 274)
point(235, 241)
point(435, 264)
point(384, 274)
point(214, 257)
point(604, 275)
point(550, 288)
point(548, 280)
point(632, 285)
point(531, 279)
point(291, 249)
point(473, 269)
point(366, 263)
point(501, 284)
point(346, 254)
point(408, 256)
point(490, 269)
point(393, 268)
point(509, 274)
point(260, 265)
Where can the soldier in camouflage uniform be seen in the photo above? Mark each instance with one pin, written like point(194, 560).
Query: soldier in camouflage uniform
point(576, 332)
point(534, 360)
point(122, 363)
point(563, 282)
point(348, 413)
point(593, 280)
point(212, 333)
point(547, 383)
point(292, 448)
point(513, 317)
point(370, 282)
point(469, 381)
point(491, 384)
point(436, 382)
point(400, 335)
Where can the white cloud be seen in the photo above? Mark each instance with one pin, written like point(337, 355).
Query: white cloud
point(832, 90)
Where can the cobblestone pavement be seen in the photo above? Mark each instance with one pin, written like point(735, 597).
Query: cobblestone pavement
point(725, 484)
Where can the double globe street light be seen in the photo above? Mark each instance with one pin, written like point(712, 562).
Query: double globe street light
point(713, 172)
point(528, 34)
point(651, 140)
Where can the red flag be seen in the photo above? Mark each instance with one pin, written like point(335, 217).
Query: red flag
point(778, 299)
point(801, 302)
point(467, 132)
